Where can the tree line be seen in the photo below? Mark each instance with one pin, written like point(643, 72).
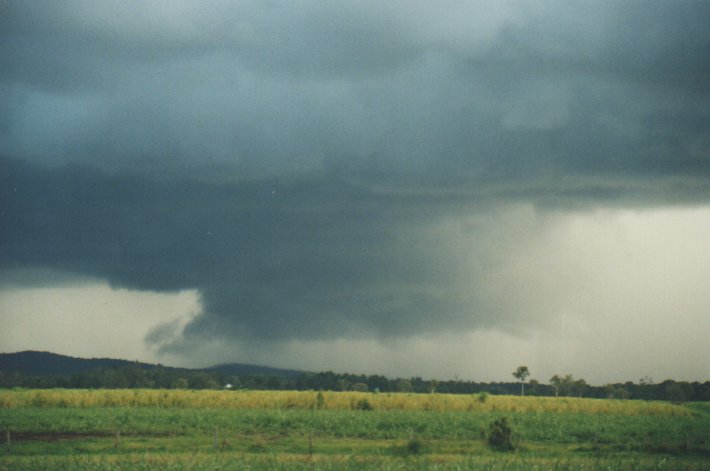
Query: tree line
point(159, 377)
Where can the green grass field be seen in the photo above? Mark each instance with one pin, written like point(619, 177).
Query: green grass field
point(135, 429)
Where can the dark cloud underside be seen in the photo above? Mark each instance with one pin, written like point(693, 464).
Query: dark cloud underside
point(272, 259)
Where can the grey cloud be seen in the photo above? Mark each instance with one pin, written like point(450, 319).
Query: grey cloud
point(89, 45)
point(651, 40)
point(271, 259)
point(654, 43)
point(403, 91)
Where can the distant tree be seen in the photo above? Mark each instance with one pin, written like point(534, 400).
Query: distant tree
point(674, 393)
point(202, 380)
point(180, 383)
point(533, 383)
point(616, 391)
point(359, 387)
point(646, 381)
point(433, 384)
point(580, 386)
point(568, 384)
point(521, 373)
point(342, 385)
point(678, 392)
point(556, 383)
point(378, 383)
point(622, 393)
point(404, 385)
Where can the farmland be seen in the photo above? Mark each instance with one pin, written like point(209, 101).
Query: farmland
point(179, 429)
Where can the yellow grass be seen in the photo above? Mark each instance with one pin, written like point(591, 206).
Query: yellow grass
point(331, 401)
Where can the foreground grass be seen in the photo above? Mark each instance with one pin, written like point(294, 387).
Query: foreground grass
point(199, 462)
point(261, 430)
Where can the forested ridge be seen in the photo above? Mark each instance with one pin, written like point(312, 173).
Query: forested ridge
point(48, 370)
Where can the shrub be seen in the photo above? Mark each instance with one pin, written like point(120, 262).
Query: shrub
point(482, 397)
point(363, 404)
point(414, 446)
point(500, 435)
point(320, 400)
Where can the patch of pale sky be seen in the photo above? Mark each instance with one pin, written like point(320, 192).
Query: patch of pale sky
point(88, 320)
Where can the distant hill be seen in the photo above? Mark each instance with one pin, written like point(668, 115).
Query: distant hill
point(45, 363)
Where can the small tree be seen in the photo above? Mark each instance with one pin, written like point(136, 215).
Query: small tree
point(404, 385)
point(556, 383)
point(568, 383)
point(433, 384)
point(521, 373)
point(580, 386)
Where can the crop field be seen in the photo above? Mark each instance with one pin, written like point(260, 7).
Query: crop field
point(170, 429)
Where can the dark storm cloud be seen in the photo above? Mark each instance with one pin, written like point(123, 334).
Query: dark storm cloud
point(296, 161)
point(271, 259)
point(412, 89)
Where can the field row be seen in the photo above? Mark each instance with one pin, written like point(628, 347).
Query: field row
point(185, 399)
point(625, 432)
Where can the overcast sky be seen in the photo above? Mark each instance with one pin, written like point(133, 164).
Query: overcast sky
point(441, 189)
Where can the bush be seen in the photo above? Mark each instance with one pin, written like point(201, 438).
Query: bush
point(414, 446)
point(500, 435)
point(363, 404)
point(320, 401)
point(482, 397)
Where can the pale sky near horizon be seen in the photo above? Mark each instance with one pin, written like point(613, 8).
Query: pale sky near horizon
point(435, 189)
